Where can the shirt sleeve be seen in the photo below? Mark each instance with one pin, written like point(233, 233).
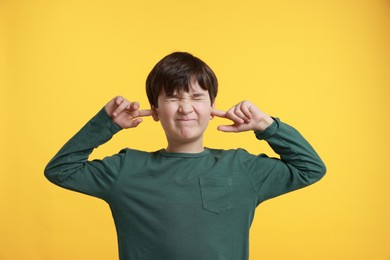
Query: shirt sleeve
point(70, 167)
point(299, 164)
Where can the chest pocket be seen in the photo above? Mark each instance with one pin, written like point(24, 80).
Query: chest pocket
point(217, 194)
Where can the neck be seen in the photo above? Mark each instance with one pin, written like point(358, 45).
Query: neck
point(185, 148)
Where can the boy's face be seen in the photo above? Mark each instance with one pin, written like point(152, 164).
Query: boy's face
point(184, 116)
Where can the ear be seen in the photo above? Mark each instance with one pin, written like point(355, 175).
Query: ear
point(212, 107)
point(155, 114)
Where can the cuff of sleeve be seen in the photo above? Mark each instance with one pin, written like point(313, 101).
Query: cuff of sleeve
point(269, 131)
point(105, 121)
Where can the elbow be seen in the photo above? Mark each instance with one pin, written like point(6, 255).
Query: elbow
point(50, 174)
point(323, 169)
point(319, 172)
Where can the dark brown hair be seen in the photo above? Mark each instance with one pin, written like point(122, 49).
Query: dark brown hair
point(176, 72)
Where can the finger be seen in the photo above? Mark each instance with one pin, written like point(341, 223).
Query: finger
point(245, 108)
point(243, 111)
point(231, 114)
point(122, 106)
point(134, 106)
point(218, 113)
point(145, 112)
point(238, 112)
point(118, 100)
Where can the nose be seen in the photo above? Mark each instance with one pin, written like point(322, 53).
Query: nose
point(185, 106)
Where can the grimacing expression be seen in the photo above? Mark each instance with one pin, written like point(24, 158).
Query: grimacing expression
point(184, 116)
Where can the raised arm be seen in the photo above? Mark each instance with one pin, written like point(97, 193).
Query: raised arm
point(299, 165)
point(70, 167)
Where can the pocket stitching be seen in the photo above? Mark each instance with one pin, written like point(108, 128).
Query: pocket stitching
point(212, 198)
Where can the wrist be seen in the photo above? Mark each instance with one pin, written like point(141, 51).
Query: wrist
point(263, 124)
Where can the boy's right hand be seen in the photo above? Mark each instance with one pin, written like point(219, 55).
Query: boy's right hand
point(124, 113)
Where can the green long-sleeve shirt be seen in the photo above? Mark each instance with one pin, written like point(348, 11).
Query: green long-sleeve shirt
point(178, 206)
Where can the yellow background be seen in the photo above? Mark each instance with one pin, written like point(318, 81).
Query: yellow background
point(322, 66)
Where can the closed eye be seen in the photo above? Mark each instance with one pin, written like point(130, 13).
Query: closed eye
point(172, 98)
point(194, 96)
point(198, 96)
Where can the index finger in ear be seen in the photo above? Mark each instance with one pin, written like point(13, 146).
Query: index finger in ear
point(218, 113)
point(145, 112)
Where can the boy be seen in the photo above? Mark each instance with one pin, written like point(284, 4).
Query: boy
point(185, 202)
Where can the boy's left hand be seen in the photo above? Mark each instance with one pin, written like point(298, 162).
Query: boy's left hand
point(245, 116)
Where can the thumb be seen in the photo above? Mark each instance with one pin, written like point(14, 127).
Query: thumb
point(130, 123)
point(228, 128)
point(135, 122)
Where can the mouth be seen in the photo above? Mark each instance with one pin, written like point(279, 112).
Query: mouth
point(185, 119)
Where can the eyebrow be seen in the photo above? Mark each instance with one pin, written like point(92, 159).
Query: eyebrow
point(198, 94)
point(195, 94)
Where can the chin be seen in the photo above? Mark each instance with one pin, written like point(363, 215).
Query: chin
point(189, 135)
